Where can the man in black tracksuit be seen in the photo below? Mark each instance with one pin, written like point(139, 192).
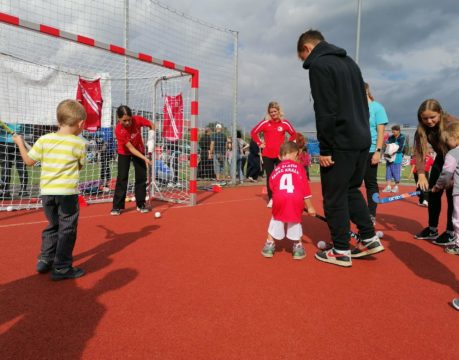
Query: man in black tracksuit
point(342, 121)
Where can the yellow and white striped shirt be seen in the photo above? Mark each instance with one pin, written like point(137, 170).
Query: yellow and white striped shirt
point(61, 158)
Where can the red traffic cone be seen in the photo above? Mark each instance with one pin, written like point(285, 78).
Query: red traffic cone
point(82, 201)
point(216, 189)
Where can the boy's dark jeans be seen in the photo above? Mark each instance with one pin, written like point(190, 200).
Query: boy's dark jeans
point(343, 200)
point(58, 238)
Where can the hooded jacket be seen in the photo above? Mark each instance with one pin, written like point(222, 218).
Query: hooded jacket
point(340, 102)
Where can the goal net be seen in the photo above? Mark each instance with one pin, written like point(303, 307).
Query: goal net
point(41, 66)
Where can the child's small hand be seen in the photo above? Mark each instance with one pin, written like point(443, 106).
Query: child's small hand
point(311, 211)
point(17, 139)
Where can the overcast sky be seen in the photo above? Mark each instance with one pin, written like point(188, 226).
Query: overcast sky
point(409, 51)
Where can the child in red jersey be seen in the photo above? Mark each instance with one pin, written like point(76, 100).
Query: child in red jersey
point(291, 193)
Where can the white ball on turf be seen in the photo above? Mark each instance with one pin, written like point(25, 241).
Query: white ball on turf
point(157, 214)
point(379, 234)
point(321, 244)
point(9, 208)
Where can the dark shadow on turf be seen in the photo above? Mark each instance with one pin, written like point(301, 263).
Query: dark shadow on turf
point(422, 263)
point(42, 319)
point(100, 256)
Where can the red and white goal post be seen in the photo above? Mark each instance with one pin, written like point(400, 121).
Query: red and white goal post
point(41, 65)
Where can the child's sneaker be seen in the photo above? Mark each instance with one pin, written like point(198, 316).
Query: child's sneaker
point(67, 273)
point(115, 212)
point(367, 247)
point(395, 189)
point(452, 249)
point(333, 257)
point(268, 249)
point(44, 266)
point(445, 239)
point(142, 209)
point(387, 189)
point(298, 252)
point(455, 303)
point(427, 234)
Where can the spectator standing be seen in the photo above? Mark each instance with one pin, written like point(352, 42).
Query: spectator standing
point(218, 152)
point(394, 159)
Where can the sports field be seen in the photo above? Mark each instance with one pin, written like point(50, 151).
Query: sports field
point(193, 285)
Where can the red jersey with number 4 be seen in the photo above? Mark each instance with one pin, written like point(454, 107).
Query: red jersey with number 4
point(132, 134)
point(289, 184)
point(90, 96)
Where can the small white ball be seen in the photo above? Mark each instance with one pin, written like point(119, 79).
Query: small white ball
point(9, 208)
point(157, 214)
point(321, 245)
point(379, 234)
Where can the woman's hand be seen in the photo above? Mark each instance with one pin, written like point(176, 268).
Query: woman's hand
point(422, 183)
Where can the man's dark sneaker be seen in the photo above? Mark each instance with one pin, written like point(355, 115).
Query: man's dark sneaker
point(455, 303)
point(67, 273)
point(44, 266)
point(445, 239)
point(452, 249)
point(367, 247)
point(333, 257)
point(427, 234)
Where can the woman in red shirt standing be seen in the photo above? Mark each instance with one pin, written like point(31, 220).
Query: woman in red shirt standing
point(130, 148)
point(273, 127)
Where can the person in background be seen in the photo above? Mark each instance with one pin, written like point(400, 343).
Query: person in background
point(218, 153)
point(254, 166)
point(303, 156)
point(9, 157)
point(394, 159)
point(242, 146)
point(205, 166)
point(274, 127)
point(378, 121)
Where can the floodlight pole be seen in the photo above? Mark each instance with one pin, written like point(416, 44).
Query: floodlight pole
point(357, 40)
point(126, 46)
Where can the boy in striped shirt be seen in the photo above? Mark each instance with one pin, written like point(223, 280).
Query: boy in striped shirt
point(62, 155)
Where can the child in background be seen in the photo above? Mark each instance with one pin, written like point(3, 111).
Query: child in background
point(424, 195)
point(303, 157)
point(291, 193)
point(62, 155)
point(450, 176)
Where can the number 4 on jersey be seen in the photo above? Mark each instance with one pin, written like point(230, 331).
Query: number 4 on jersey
point(286, 183)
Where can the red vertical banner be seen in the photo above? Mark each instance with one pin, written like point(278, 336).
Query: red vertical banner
point(89, 95)
point(173, 117)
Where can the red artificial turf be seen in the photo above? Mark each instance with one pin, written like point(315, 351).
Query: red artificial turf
point(193, 285)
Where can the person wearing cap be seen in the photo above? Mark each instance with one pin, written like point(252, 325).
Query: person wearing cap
point(218, 152)
point(394, 162)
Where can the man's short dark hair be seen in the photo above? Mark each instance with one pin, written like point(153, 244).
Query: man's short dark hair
point(310, 36)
